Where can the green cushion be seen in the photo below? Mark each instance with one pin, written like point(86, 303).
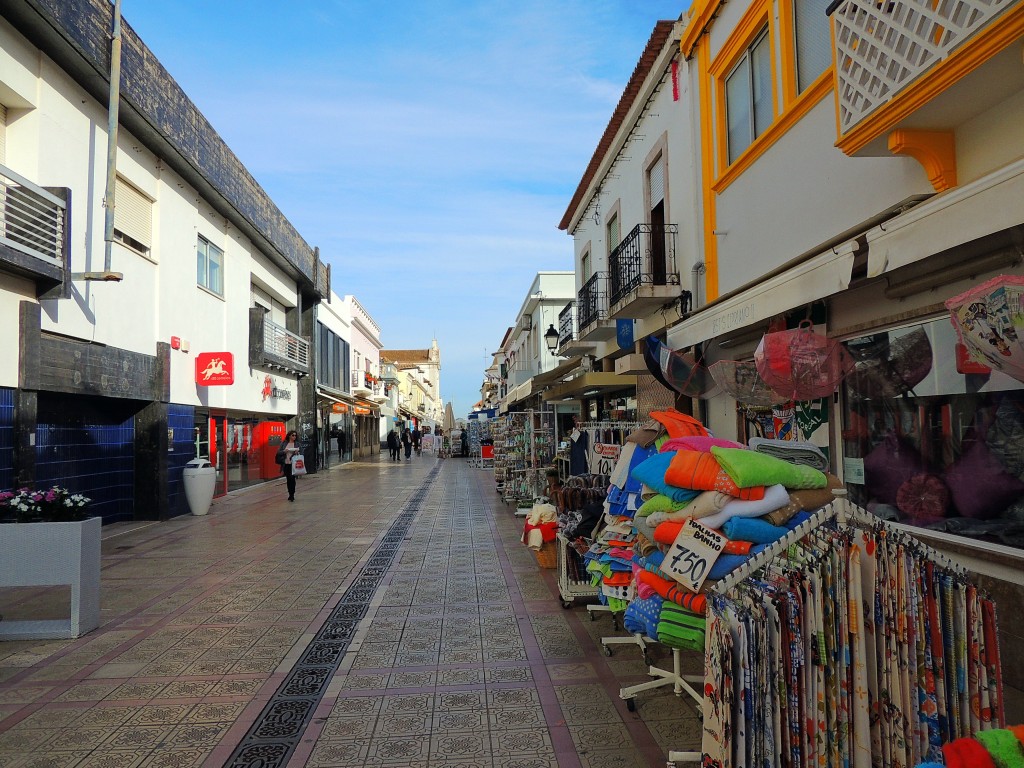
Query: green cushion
point(750, 468)
point(660, 503)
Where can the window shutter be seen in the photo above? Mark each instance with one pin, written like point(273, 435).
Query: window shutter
point(813, 41)
point(657, 182)
point(3, 133)
point(133, 213)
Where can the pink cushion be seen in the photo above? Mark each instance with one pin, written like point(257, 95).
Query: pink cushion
point(697, 443)
point(924, 499)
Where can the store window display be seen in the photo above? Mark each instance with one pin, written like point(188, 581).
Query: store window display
point(933, 439)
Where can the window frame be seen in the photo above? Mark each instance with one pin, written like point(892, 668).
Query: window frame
point(747, 65)
point(205, 285)
point(789, 54)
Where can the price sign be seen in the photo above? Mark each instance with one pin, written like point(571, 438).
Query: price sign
point(603, 457)
point(692, 554)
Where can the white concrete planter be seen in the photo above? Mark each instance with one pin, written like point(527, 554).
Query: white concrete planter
point(49, 554)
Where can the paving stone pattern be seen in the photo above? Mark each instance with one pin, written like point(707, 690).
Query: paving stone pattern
point(389, 617)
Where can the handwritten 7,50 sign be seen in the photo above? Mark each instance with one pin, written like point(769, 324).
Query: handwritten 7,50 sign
point(692, 554)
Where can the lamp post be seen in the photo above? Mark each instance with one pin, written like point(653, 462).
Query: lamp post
point(551, 338)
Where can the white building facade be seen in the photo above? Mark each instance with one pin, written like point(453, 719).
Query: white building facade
point(195, 339)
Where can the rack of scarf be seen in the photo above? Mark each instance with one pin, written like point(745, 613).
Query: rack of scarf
point(846, 643)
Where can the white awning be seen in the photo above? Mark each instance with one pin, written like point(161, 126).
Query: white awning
point(982, 207)
point(817, 277)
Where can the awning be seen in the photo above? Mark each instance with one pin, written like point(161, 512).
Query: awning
point(989, 204)
point(521, 392)
point(556, 373)
point(590, 384)
point(817, 277)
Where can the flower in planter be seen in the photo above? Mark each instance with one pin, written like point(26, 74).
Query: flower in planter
point(54, 505)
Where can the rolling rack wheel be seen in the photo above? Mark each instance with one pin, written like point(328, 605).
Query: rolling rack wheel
point(606, 649)
point(631, 705)
point(568, 604)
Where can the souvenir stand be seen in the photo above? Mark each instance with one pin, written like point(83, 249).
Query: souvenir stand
point(829, 637)
point(523, 451)
point(580, 503)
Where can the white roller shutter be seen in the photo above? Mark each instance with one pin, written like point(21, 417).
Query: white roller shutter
point(657, 182)
point(133, 214)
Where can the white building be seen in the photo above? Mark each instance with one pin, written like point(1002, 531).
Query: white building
point(194, 339)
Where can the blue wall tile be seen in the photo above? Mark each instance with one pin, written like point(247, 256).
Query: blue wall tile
point(181, 421)
point(6, 438)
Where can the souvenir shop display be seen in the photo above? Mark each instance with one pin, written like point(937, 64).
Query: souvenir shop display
point(752, 557)
point(523, 452)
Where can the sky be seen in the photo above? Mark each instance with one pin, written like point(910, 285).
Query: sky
point(429, 149)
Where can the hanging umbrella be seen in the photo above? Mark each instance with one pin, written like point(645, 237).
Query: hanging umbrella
point(887, 368)
point(989, 321)
point(680, 372)
point(744, 383)
point(802, 364)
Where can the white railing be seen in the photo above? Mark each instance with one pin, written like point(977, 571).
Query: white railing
point(283, 343)
point(31, 219)
point(881, 47)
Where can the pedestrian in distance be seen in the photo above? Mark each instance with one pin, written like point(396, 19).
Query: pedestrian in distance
point(465, 443)
point(394, 444)
point(341, 444)
point(417, 438)
point(407, 442)
point(288, 449)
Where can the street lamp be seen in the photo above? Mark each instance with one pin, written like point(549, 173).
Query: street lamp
point(551, 338)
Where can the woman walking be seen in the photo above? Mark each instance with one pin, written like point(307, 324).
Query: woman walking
point(407, 442)
point(393, 444)
point(285, 453)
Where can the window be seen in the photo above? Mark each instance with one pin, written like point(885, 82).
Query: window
point(333, 359)
point(277, 312)
point(3, 133)
point(813, 41)
point(748, 96)
point(210, 266)
point(614, 233)
point(585, 266)
point(932, 439)
point(133, 218)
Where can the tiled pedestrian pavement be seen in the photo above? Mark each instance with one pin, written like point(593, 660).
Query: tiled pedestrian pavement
point(389, 617)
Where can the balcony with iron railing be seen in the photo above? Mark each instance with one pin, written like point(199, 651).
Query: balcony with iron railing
point(642, 272)
point(592, 309)
point(33, 229)
point(922, 65)
point(569, 342)
point(273, 346)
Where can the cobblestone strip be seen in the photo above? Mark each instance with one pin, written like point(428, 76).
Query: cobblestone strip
point(277, 731)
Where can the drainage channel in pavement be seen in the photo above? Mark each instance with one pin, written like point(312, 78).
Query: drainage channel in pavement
point(271, 740)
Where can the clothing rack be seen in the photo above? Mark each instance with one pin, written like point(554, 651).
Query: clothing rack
point(827, 526)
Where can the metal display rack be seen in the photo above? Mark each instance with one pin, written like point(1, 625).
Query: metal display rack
point(523, 451)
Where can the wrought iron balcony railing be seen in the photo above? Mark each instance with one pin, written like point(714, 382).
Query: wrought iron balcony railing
point(882, 47)
point(271, 345)
point(647, 255)
point(566, 317)
point(592, 302)
point(33, 227)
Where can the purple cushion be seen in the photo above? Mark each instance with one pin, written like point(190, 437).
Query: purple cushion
point(889, 465)
point(979, 485)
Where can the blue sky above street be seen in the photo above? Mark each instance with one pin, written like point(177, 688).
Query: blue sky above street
point(428, 148)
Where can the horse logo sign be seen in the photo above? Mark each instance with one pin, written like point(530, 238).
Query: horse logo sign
point(215, 369)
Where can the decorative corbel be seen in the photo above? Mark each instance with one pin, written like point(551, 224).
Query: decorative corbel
point(934, 150)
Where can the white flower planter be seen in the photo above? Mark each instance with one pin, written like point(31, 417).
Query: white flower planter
point(50, 554)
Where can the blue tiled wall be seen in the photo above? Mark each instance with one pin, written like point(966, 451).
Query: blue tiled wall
point(181, 421)
point(88, 456)
point(6, 438)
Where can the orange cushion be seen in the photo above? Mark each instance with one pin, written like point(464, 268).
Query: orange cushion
point(700, 471)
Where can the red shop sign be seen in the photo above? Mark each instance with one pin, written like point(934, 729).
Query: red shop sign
point(215, 369)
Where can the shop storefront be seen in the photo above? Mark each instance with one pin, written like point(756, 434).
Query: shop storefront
point(241, 446)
